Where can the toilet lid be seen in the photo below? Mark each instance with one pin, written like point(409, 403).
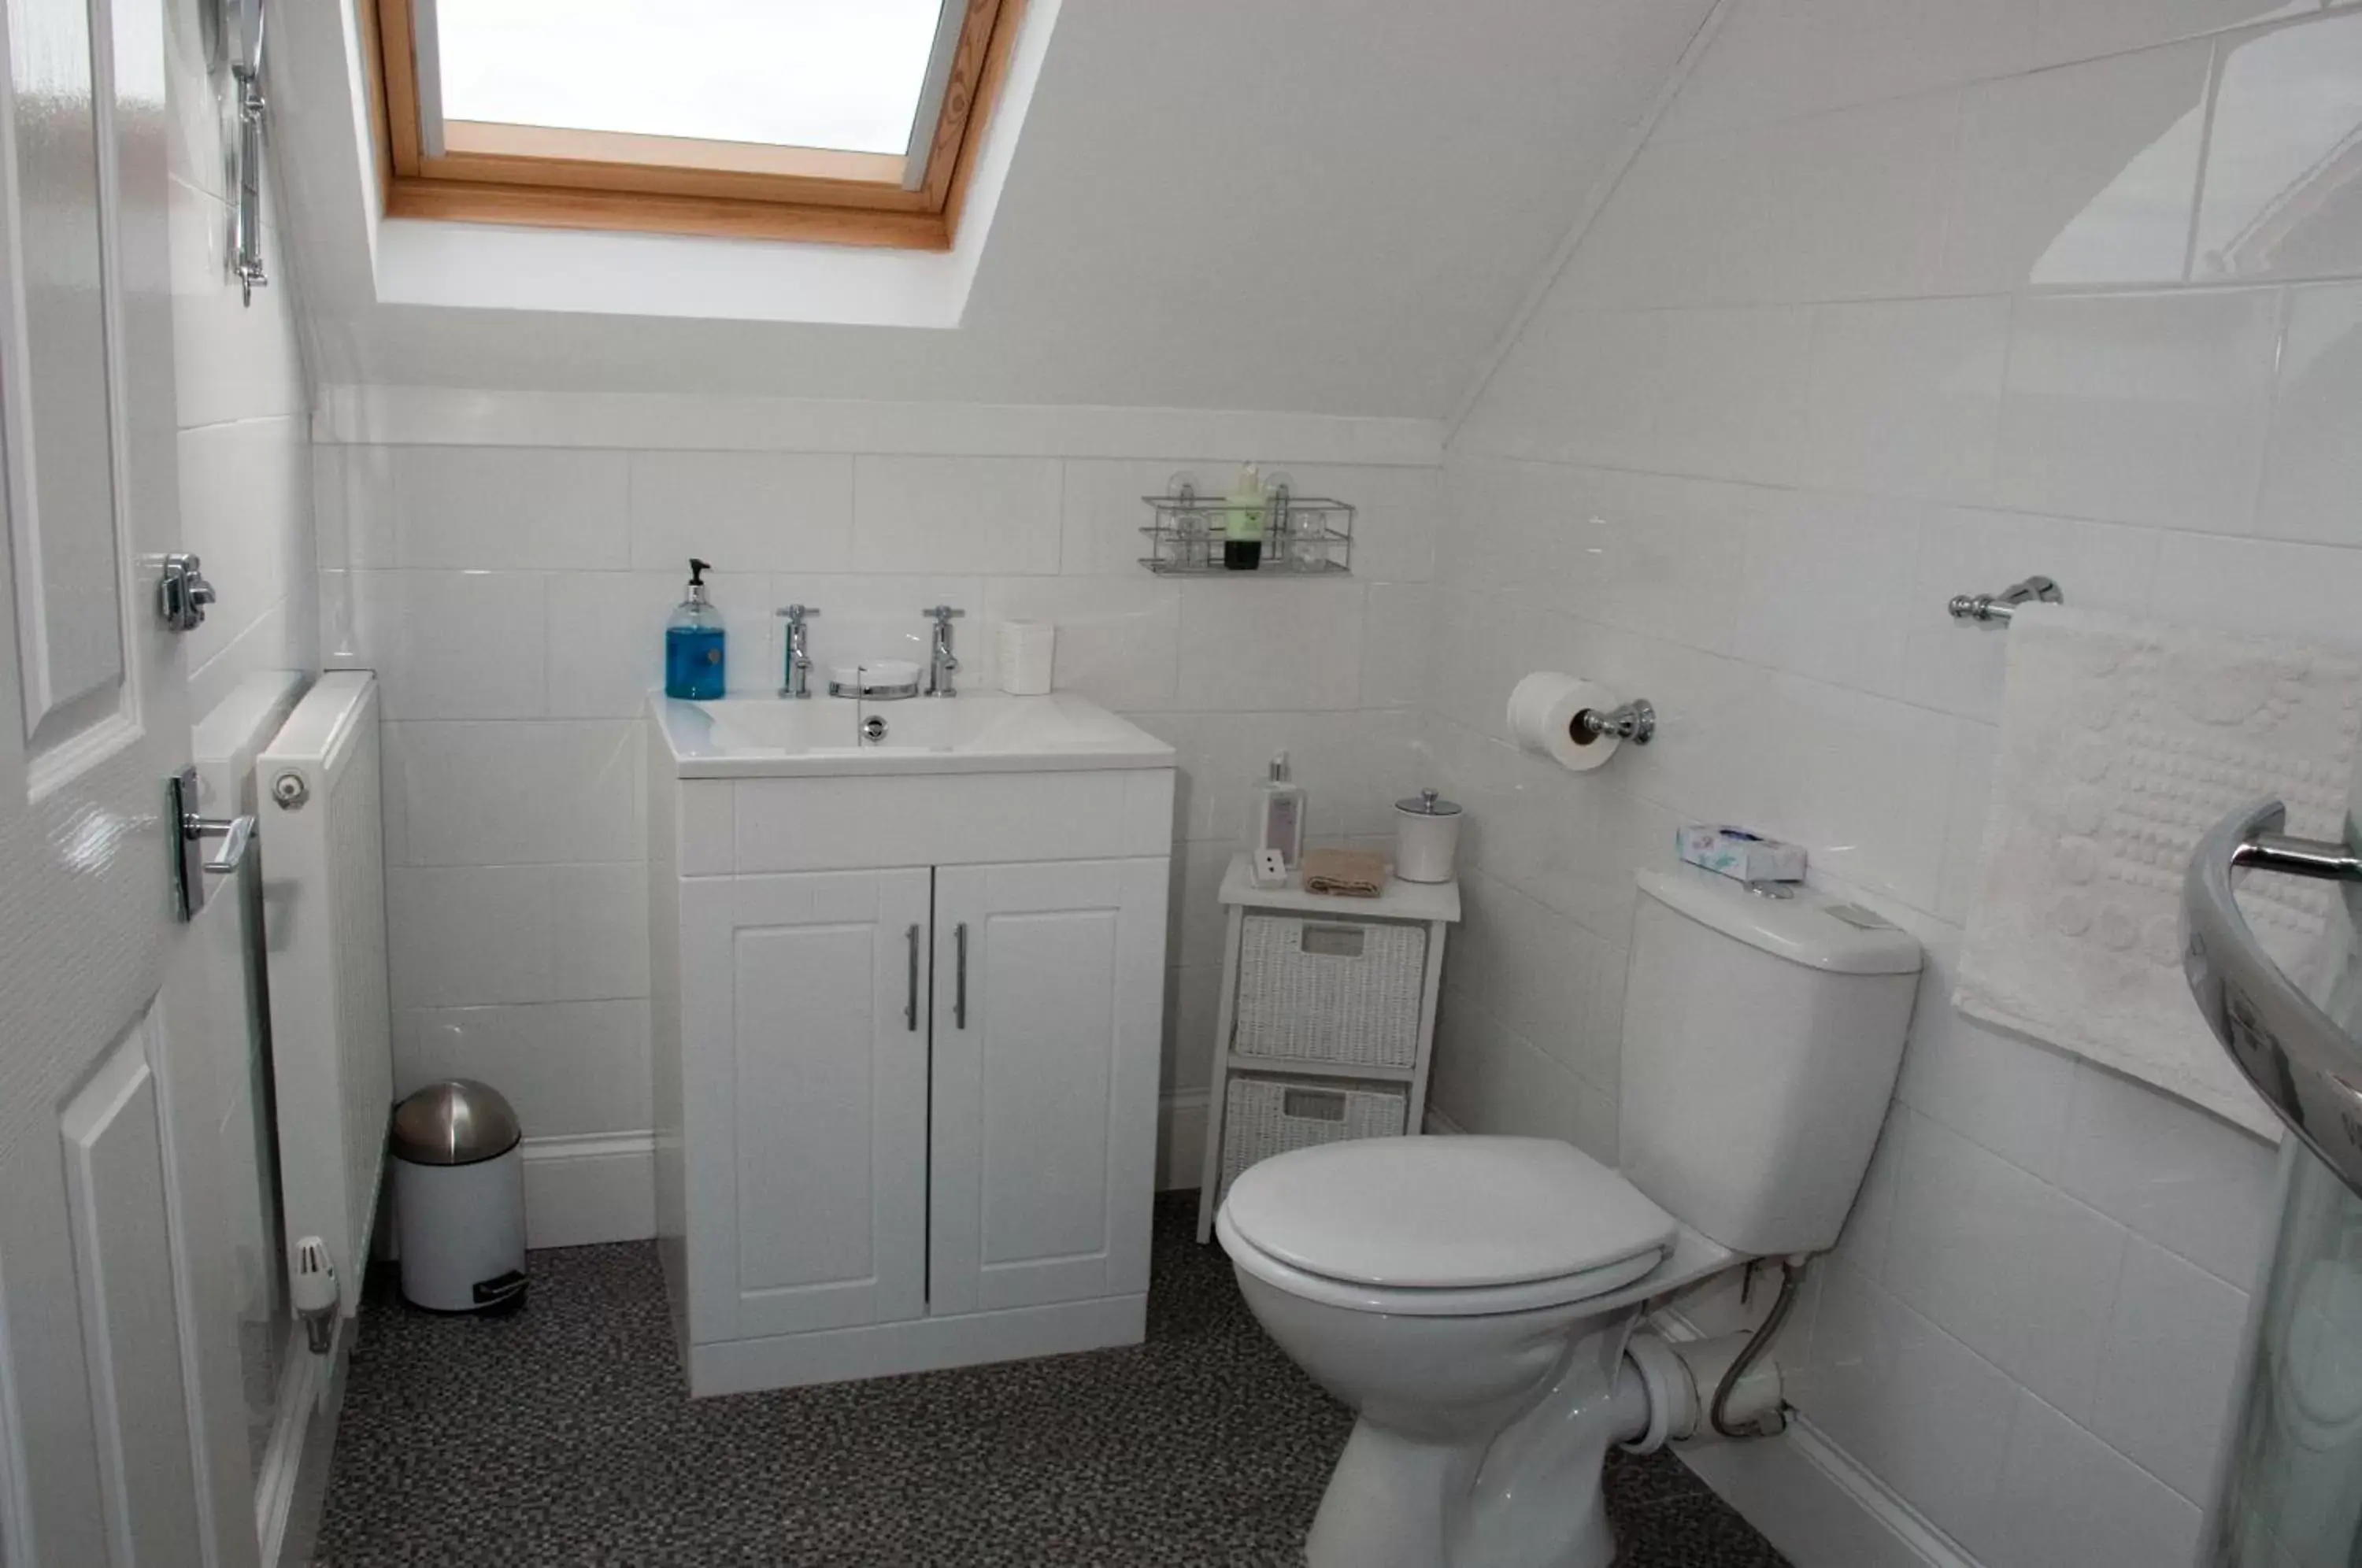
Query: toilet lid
point(1444, 1213)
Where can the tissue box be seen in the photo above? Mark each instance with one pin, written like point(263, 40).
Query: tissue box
point(1735, 852)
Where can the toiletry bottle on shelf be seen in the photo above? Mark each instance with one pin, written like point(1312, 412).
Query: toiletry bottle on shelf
point(694, 665)
point(1279, 814)
point(1242, 519)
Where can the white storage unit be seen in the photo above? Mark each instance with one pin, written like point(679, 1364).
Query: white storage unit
point(1327, 1023)
point(907, 1032)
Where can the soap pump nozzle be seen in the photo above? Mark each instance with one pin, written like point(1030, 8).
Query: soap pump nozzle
point(697, 571)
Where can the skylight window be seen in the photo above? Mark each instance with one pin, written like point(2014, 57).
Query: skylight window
point(844, 120)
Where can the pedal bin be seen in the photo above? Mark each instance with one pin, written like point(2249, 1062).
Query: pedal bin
point(459, 1198)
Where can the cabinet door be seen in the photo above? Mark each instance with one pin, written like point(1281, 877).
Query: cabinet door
point(1049, 1003)
point(805, 1008)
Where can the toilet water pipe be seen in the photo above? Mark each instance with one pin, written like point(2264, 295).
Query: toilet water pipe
point(1791, 1274)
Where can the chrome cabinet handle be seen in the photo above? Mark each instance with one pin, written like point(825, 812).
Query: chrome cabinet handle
point(959, 977)
point(911, 1002)
point(2308, 1069)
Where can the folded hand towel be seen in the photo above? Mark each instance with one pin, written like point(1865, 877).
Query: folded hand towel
point(1351, 873)
point(2120, 742)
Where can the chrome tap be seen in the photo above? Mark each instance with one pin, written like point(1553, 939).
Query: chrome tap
point(798, 674)
point(942, 663)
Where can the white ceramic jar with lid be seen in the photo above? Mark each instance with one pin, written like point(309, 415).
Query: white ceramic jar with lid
point(1427, 835)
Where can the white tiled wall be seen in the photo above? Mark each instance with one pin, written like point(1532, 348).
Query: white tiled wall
point(1899, 302)
point(512, 599)
point(244, 413)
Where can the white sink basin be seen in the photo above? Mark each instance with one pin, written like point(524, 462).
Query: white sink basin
point(743, 737)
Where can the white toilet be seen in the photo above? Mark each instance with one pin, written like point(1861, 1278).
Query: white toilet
point(1473, 1298)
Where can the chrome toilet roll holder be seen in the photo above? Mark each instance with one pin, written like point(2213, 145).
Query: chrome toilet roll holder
point(1635, 720)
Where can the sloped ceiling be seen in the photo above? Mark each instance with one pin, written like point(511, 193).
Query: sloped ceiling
point(1327, 206)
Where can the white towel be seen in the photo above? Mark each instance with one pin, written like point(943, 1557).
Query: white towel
point(2120, 744)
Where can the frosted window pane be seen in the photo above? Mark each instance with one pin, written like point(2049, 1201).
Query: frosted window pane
point(830, 73)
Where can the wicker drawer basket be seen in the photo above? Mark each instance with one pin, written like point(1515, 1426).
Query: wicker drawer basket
point(1263, 1117)
point(1329, 990)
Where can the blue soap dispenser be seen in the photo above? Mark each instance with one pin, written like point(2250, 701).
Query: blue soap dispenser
point(694, 668)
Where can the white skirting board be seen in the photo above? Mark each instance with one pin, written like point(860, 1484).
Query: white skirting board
point(1811, 1498)
point(599, 1187)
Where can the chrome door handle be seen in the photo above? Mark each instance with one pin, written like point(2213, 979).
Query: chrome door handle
point(2308, 1069)
point(186, 831)
point(959, 977)
point(911, 1001)
point(236, 834)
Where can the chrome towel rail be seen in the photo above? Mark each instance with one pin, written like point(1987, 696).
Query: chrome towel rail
point(2003, 605)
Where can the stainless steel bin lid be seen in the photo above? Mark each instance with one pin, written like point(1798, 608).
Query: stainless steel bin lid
point(457, 1123)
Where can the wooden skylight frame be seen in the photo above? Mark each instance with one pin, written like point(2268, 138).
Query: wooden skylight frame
point(545, 177)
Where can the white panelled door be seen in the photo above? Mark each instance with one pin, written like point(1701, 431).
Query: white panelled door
point(818, 983)
point(99, 1460)
point(1049, 1002)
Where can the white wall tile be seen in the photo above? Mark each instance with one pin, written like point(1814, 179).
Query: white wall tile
point(358, 516)
point(1663, 557)
point(1876, 1370)
point(2313, 477)
point(2277, 202)
point(2258, 586)
point(2008, 1095)
point(501, 794)
point(466, 935)
point(2141, 408)
point(1578, 385)
point(597, 927)
point(1853, 557)
point(449, 644)
point(1119, 638)
point(1774, 59)
point(509, 506)
point(2197, 1186)
point(2067, 1500)
point(567, 1067)
point(2086, 174)
point(1274, 644)
point(2078, 29)
point(245, 497)
point(2020, 1272)
point(1397, 643)
point(2166, 1384)
point(746, 511)
point(1854, 777)
point(956, 514)
point(1905, 396)
point(1734, 392)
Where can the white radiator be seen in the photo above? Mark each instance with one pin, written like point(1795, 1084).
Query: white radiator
point(331, 1024)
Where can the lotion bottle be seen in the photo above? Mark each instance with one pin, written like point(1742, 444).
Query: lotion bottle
point(1279, 814)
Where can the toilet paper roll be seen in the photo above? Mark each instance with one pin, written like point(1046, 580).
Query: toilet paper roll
point(1541, 718)
point(1028, 651)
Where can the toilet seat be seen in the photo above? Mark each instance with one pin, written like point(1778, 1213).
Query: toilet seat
point(1442, 1227)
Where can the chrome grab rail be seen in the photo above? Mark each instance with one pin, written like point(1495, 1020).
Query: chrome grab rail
point(2308, 1069)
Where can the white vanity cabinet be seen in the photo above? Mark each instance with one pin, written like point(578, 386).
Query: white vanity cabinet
point(907, 1030)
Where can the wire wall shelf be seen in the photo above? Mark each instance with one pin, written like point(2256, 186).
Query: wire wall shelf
point(1302, 535)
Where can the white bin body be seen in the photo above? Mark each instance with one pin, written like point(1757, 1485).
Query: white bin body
point(459, 1226)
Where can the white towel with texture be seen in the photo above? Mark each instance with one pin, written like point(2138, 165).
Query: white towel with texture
point(2122, 742)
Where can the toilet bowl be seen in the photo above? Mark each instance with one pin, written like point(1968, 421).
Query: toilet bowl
point(1474, 1300)
point(1470, 1299)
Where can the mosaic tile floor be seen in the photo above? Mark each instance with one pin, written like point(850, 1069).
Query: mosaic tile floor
point(563, 1436)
